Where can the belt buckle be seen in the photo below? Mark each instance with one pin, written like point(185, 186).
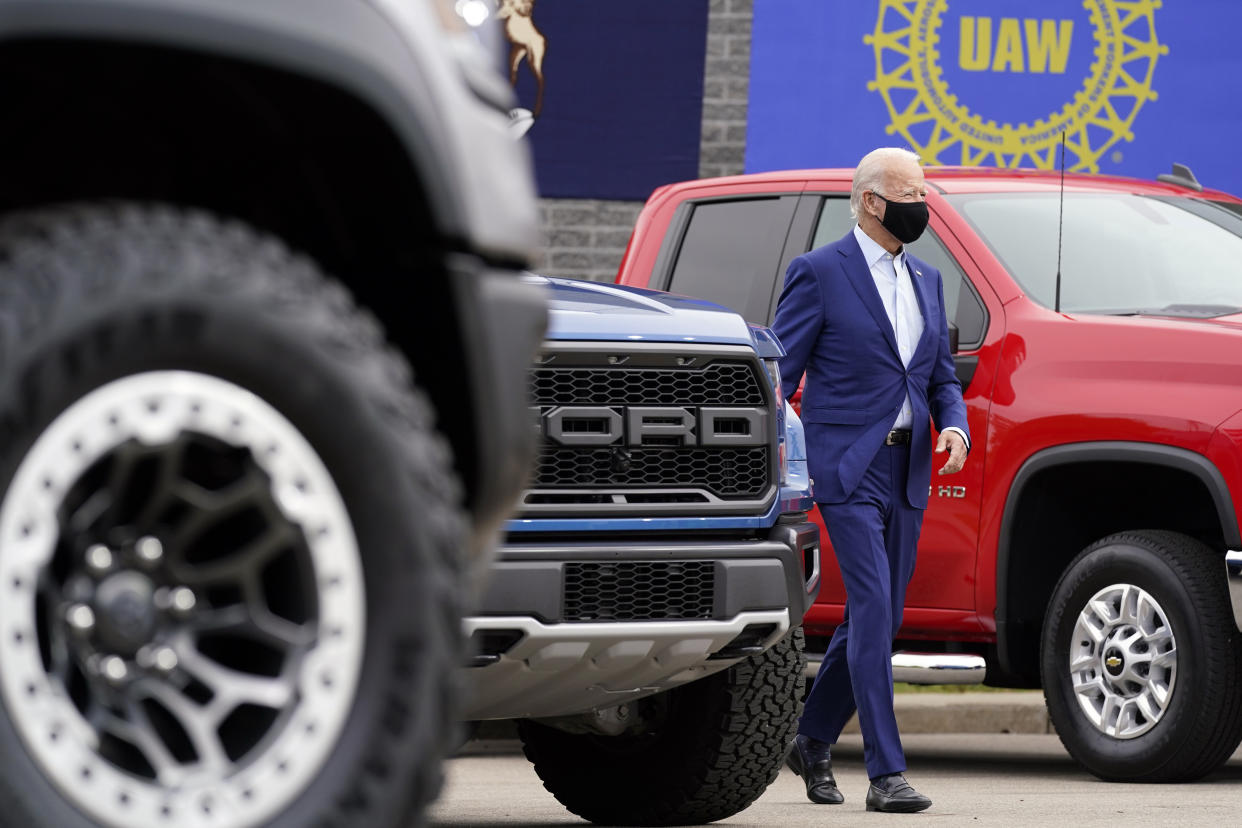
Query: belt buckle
point(896, 437)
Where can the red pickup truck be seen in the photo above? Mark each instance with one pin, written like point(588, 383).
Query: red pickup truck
point(1091, 545)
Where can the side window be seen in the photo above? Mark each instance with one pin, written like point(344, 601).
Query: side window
point(962, 304)
point(834, 221)
point(730, 251)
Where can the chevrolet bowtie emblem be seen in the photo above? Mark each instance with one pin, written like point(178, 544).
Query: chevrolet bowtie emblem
point(1112, 662)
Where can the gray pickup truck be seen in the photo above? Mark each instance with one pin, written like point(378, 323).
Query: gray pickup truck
point(263, 360)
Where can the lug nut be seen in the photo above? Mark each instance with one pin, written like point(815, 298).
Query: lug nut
point(163, 659)
point(149, 549)
point(182, 599)
point(114, 669)
point(80, 617)
point(99, 558)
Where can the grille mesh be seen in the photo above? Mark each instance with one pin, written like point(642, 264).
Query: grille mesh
point(624, 476)
point(639, 590)
point(721, 383)
point(726, 472)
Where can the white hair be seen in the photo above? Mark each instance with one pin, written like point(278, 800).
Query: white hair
point(869, 174)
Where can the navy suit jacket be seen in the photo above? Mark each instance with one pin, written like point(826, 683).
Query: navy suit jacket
point(835, 330)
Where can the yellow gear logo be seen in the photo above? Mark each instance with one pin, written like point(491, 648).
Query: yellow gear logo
point(1101, 113)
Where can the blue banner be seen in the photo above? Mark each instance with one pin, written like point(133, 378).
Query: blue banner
point(611, 93)
point(1134, 85)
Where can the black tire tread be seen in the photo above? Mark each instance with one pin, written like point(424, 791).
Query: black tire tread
point(60, 263)
point(705, 775)
point(1216, 727)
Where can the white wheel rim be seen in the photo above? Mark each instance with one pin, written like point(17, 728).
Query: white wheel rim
point(309, 702)
point(1123, 661)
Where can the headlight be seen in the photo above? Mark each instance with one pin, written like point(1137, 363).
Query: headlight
point(773, 367)
point(476, 19)
point(462, 15)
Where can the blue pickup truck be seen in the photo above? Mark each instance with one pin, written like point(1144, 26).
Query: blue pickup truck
point(643, 619)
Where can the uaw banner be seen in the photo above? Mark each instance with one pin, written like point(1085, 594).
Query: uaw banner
point(611, 92)
point(1131, 85)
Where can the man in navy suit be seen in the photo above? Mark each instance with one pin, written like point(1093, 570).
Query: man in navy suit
point(865, 322)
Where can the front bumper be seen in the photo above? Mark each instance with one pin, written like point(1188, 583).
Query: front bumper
point(535, 657)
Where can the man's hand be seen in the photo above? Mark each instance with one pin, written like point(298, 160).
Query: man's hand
point(956, 446)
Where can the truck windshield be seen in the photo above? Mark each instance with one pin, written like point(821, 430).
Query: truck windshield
point(1121, 253)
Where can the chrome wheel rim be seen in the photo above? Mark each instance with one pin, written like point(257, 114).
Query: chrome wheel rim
point(1123, 661)
point(181, 605)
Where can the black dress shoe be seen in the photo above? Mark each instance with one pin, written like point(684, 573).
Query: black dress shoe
point(811, 760)
point(893, 794)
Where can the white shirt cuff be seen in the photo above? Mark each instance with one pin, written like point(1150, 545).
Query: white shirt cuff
point(965, 438)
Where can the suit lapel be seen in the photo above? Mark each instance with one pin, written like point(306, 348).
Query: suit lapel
point(859, 275)
point(921, 287)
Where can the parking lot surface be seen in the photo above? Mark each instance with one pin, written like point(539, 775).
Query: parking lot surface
point(973, 779)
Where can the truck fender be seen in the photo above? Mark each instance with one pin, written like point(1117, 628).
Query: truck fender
point(1116, 451)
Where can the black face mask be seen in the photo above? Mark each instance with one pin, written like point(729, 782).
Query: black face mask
point(906, 220)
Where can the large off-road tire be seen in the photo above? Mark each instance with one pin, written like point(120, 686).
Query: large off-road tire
point(229, 593)
point(710, 749)
point(1142, 661)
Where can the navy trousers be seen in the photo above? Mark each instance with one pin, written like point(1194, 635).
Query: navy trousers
point(875, 536)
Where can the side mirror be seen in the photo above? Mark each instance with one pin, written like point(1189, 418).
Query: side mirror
point(952, 338)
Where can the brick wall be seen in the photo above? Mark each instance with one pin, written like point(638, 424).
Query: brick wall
point(726, 86)
point(585, 238)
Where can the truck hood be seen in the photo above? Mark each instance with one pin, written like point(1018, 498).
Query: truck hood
point(579, 310)
point(1159, 324)
point(1231, 322)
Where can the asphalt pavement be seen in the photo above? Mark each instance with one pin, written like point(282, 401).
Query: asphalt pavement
point(985, 759)
point(1017, 711)
point(974, 779)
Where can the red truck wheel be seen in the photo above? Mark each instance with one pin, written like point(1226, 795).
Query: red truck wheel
point(1141, 659)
